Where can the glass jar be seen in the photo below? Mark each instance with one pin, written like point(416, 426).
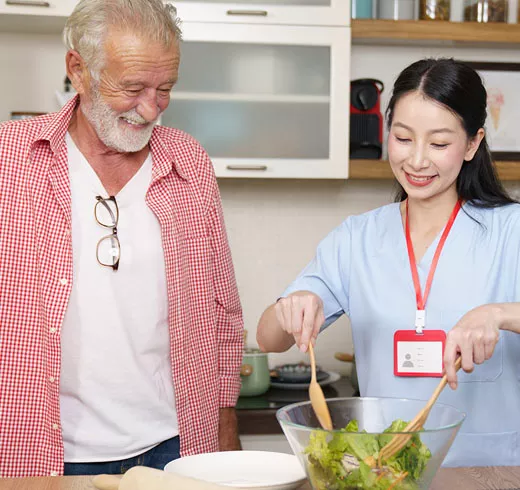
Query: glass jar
point(396, 9)
point(361, 9)
point(485, 10)
point(434, 10)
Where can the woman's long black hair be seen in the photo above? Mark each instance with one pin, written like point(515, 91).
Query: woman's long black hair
point(459, 88)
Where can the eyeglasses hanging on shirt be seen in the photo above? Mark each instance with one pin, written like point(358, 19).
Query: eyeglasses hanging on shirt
point(108, 250)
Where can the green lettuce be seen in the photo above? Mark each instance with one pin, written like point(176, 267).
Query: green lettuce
point(349, 460)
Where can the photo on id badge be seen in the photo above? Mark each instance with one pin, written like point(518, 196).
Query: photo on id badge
point(419, 354)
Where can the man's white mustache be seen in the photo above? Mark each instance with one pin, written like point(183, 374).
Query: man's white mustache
point(135, 118)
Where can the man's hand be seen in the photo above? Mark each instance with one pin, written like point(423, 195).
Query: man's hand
point(474, 337)
point(228, 430)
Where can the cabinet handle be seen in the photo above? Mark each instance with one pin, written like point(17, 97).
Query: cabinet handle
point(262, 13)
point(247, 167)
point(28, 3)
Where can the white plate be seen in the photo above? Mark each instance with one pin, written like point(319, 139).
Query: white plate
point(332, 378)
point(261, 470)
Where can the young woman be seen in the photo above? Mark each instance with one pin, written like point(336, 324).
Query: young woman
point(439, 267)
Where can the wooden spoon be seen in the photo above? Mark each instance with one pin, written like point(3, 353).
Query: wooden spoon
point(399, 441)
point(319, 405)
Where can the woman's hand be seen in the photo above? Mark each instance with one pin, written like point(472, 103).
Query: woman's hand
point(301, 315)
point(474, 337)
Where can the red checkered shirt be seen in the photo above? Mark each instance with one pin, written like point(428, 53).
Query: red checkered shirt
point(205, 317)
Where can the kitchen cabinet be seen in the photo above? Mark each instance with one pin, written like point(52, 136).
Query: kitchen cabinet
point(52, 8)
point(42, 16)
point(265, 100)
point(266, 94)
point(294, 12)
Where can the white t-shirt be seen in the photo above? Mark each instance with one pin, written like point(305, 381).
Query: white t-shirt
point(116, 388)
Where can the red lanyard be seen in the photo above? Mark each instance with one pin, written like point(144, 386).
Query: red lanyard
point(421, 300)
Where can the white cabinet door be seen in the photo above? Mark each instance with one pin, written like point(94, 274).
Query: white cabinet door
point(52, 8)
point(266, 101)
point(296, 12)
point(44, 16)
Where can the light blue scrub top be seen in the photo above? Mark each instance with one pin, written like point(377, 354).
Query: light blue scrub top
point(362, 269)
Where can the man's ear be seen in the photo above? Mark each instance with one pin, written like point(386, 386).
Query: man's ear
point(77, 71)
point(473, 145)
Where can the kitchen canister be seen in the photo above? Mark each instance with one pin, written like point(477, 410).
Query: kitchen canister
point(486, 10)
point(396, 9)
point(361, 9)
point(434, 10)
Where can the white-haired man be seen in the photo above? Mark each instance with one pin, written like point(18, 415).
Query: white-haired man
point(121, 326)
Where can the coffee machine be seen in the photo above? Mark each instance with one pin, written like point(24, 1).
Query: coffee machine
point(366, 120)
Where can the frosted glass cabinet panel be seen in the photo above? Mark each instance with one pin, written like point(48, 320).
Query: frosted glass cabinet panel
point(262, 130)
point(265, 101)
point(295, 12)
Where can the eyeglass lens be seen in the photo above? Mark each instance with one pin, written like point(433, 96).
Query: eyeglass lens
point(107, 213)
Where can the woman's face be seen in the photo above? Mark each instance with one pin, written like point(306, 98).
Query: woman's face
point(427, 146)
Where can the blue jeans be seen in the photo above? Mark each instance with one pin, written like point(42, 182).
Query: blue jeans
point(157, 457)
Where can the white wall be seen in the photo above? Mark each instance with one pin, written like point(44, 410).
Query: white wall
point(273, 226)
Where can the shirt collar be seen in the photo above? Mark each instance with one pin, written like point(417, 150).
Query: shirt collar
point(163, 150)
point(55, 131)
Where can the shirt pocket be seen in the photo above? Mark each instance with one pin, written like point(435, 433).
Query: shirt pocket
point(486, 449)
point(489, 370)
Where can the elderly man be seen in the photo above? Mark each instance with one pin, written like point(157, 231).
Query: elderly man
point(121, 326)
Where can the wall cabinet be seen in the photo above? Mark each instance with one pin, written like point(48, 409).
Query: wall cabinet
point(265, 101)
point(28, 16)
point(294, 12)
point(43, 8)
point(263, 86)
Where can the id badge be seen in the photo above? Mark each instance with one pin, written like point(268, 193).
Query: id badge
point(419, 355)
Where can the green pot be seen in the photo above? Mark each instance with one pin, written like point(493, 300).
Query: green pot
point(254, 373)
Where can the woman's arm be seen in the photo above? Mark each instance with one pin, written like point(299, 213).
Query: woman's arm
point(295, 318)
point(509, 315)
point(476, 335)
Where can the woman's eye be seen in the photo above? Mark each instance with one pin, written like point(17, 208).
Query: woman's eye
point(439, 146)
point(402, 140)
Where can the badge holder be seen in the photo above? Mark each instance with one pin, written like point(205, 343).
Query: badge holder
point(419, 352)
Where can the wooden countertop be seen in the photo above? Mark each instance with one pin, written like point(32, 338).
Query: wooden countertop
point(493, 478)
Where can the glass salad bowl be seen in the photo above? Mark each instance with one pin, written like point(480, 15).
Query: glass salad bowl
point(347, 457)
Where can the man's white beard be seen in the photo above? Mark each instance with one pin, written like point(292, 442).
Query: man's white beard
point(110, 130)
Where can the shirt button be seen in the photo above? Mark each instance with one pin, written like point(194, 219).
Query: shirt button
point(55, 426)
point(52, 330)
point(54, 473)
point(51, 379)
point(63, 281)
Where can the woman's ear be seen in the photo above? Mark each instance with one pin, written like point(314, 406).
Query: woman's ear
point(473, 144)
point(77, 71)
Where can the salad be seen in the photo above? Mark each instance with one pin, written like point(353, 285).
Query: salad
point(349, 461)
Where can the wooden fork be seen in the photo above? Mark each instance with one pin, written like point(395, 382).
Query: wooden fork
point(399, 441)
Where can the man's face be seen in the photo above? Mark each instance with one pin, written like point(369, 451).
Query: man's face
point(133, 90)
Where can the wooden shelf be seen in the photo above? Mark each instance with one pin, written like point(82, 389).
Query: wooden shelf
point(435, 31)
point(380, 170)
